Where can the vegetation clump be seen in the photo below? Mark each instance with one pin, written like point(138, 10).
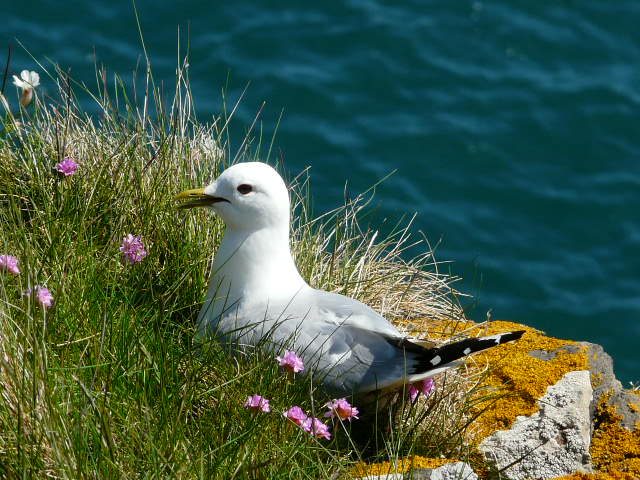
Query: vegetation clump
point(99, 376)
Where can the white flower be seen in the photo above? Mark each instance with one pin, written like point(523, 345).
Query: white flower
point(27, 81)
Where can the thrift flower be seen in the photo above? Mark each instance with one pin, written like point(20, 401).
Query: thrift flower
point(317, 428)
point(132, 249)
point(9, 263)
point(290, 361)
point(296, 415)
point(43, 295)
point(67, 166)
point(342, 409)
point(257, 403)
point(426, 387)
point(27, 82)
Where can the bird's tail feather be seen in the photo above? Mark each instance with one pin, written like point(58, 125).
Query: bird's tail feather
point(423, 362)
point(429, 359)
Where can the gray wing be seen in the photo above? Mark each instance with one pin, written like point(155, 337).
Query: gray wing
point(349, 347)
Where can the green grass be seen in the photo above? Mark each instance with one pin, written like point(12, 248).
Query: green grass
point(108, 383)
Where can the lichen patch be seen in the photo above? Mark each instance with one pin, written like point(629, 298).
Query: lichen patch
point(516, 379)
point(613, 447)
point(598, 476)
point(403, 465)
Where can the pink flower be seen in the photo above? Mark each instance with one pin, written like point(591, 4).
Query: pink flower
point(316, 427)
point(132, 249)
point(296, 415)
point(67, 166)
point(43, 295)
point(426, 387)
point(9, 263)
point(257, 403)
point(290, 361)
point(342, 409)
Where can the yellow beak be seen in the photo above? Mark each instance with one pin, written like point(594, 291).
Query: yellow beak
point(196, 198)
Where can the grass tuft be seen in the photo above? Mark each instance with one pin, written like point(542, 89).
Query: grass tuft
point(107, 382)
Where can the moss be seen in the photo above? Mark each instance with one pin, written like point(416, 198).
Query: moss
point(613, 447)
point(401, 466)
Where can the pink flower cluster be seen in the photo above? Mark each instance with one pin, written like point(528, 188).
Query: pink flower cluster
point(9, 264)
point(425, 387)
point(132, 249)
point(67, 167)
point(341, 409)
point(338, 408)
point(291, 362)
point(311, 425)
point(257, 403)
point(296, 415)
point(43, 295)
point(317, 428)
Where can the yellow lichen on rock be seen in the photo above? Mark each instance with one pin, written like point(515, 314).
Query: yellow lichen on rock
point(403, 465)
point(517, 378)
point(598, 476)
point(514, 377)
point(596, 379)
point(613, 447)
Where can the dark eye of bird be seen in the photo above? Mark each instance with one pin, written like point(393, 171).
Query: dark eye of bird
point(244, 188)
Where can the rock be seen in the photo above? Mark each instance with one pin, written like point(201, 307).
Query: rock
point(389, 476)
point(550, 355)
point(448, 471)
point(553, 441)
point(559, 411)
point(605, 382)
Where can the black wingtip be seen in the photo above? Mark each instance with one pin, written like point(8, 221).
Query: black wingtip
point(511, 336)
point(431, 358)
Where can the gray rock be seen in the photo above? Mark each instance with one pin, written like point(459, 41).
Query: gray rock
point(623, 400)
point(548, 355)
point(605, 381)
point(389, 476)
point(448, 471)
point(553, 441)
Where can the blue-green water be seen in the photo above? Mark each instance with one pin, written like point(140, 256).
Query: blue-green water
point(514, 126)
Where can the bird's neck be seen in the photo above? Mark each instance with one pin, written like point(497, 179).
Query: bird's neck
point(252, 266)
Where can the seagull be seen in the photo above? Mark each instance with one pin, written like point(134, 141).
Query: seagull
point(257, 297)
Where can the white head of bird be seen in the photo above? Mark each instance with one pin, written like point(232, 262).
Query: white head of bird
point(254, 259)
point(247, 196)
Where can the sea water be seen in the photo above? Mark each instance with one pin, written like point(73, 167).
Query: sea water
point(513, 127)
